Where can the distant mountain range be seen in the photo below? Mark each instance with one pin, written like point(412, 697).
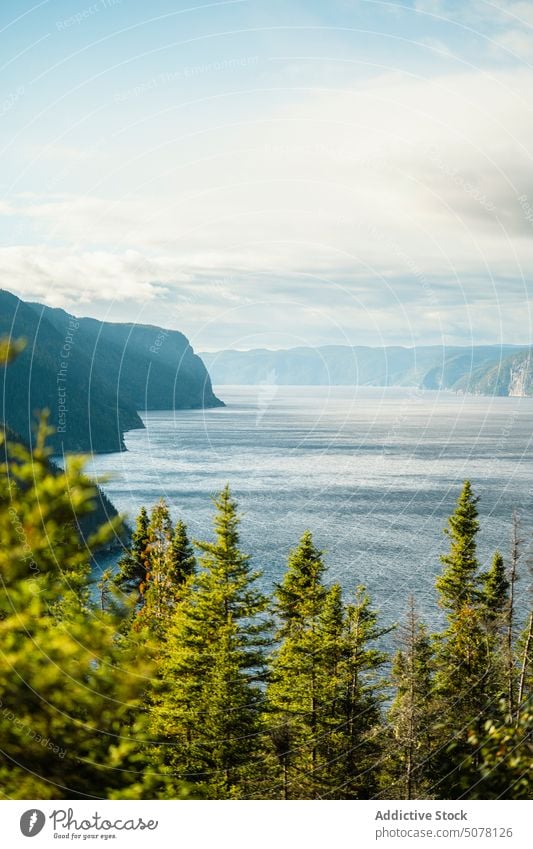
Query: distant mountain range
point(484, 369)
point(94, 376)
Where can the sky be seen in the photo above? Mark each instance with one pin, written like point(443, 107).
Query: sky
point(272, 173)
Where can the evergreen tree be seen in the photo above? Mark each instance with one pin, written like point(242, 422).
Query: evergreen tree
point(525, 665)
point(132, 566)
point(293, 694)
point(159, 560)
point(70, 719)
point(468, 672)
point(207, 707)
point(457, 585)
point(104, 590)
point(501, 758)
point(159, 542)
point(170, 563)
point(182, 562)
point(74, 706)
point(299, 598)
point(412, 715)
point(330, 724)
point(495, 590)
point(364, 731)
point(322, 699)
point(516, 546)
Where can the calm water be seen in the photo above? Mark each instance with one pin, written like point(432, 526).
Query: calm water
point(372, 472)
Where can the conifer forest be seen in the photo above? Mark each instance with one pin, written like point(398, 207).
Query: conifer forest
point(177, 677)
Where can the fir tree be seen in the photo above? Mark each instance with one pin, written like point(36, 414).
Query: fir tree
point(495, 591)
point(457, 586)
point(132, 566)
point(207, 708)
point(70, 724)
point(293, 694)
point(182, 562)
point(516, 546)
point(299, 598)
point(468, 674)
point(159, 541)
point(525, 664)
point(501, 758)
point(412, 715)
point(322, 699)
point(363, 723)
point(170, 564)
point(104, 590)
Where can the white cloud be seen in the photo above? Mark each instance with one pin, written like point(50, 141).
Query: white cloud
point(62, 277)
point(399, 182)
point(481, 12)
point(436, 162)
point(518, 42)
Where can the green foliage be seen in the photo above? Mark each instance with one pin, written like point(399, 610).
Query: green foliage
point(469, 652)
point(503, 753)
point(70, 694)
point(181, 555)
point(308, 618)
point(495, 590)
point(155, 567)
point(102, 510)
point(364, 730)
point(323, 703)
point(132, 566)
point(413, 713)
point(302, 593)
point(9, 349)
point(207, 707)
point(457, 585)
point(524, 662)
point(184, 699)
point(158, 589)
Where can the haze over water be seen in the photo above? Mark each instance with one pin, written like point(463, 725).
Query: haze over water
point(373, 472)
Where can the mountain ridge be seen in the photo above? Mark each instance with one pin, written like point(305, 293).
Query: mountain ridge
point(94, 376)
point(501, 370)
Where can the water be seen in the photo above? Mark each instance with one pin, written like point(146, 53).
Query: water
point(372, 472)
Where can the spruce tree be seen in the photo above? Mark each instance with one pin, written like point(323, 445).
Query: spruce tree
point(413, 714)
point(495, 591)
point(132, 566)
point(206, 711)
point(293, 694)
point(524, 652)
point(495, 608)
point(159, 541)
point(170, 563)
point(323, 698)
point(516, 553)
point(71, 724)
point(300, 596)
point(362, 720)
point(501, 757)
point(458, 583)
point(468, 671)
point(182, 562)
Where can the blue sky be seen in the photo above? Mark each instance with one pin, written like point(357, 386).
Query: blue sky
point(272, 173)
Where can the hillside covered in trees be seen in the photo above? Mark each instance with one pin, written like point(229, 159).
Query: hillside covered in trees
point(184, 680)
point(501, 370)
point(94, 376)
